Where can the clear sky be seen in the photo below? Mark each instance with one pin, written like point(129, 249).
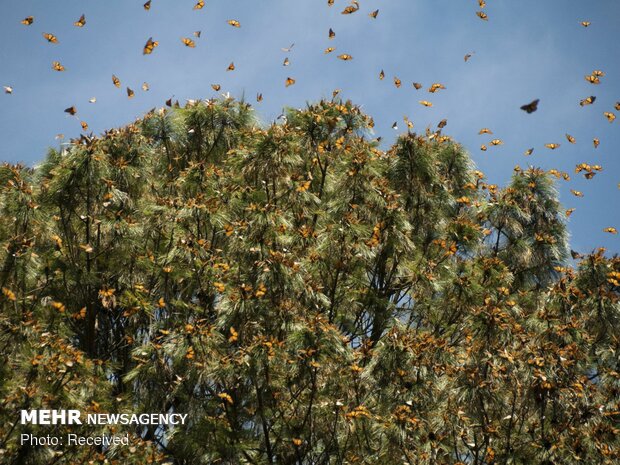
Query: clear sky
point(527, 49)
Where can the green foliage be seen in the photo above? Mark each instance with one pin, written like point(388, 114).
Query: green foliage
point(305, 297)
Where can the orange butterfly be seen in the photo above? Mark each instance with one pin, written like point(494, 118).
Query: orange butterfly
point(397, 82)
point(71, 110)
point(381, 75)
point(329, 50)
point(56, 66)
point(80, 22)
point(130, 93)
point(482, 15)
point(50, 38)
point(28, 20)
point(610, 116)
point(417, 85)
point(485, 131)
point(374, 14)
point(188, 42)
point(234, 23)
point(116, 81)
point(289, 82)
point(149, 46)
point(259, 97)
point(216, 87)
point(570, 138)
point(147, 5)
point(585, 23)
point(426, 103)
point(199, 5)
point(231, 67)
point(345, 57)
point(84, 125)
point(332, 34)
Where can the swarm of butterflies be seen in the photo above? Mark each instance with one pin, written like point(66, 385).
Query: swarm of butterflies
point(594, 78)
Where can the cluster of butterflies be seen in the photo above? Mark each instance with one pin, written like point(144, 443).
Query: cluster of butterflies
point(589, 171)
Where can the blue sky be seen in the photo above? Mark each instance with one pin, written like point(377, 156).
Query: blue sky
point(527, 49)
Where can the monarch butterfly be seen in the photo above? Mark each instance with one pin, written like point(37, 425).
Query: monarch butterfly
point(289, 82)
point(130, 93)
point(188, 42)
point(288, 49)
point(335, 92)
point(570, 138)
point(231, 67)
point(530, 107)
point(598, 73)
point(592, 79)
point(84, 125)
point(332, 34)
point(482, 15)
point(8, 89)
point(585, 23)
point(529, 151)
point(417, 85)
point(435, 87)
point(395, 125)
point(568, 213)
point(149, 46)
point(56, 66)
point(28, 20)
point(116, 81)
point(576, 193)
point(147, 5)
point(611, 230)
point(329, 50)
point(259, 97)
point(426, 103)
point(197, 34)
point(596, 142)
point(552, 146)
point(483, 148)
point(286, 62)
point(442, 124)
point(345, 57)
point(50, 38)
point(351, 8)
point(610, 116)
point(496, 142)
point(397, 82)
point(199, 5)
point(587, 101)
point(234, 23)
point(381, 75)
point(617, 106)
point(374, 14)
point(145, 86)
point(485, 131)
point(80, 22)
point(467, 57)
point(216, 87)
point(71, 110)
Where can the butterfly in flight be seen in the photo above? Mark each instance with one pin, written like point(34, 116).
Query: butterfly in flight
point(149, 46)
point(426, 103)
point(610, 116)
point(417, 85)
point(288, 49)
point(56, 66)
point(329, 50)
point(147, 5)
point(397, 82)
point(145, 86)
point(482, 15)
point(530, 107)
point(552, 146)
point(381, 75)
point(234, 23)
point(485, 131)
point(51, 38)
point(351, 8)
point(231, 67)
point(199, 5)
point(116, 81)
point(289, 82)
point(216, 87)
point(345, 57)
point(80, 22)
point(570, 138)
point(587, 101)
point(188, 42)
point(585, 23)
point(374, 14)
point(130, 93)
point(28, 20)
point(71, 110)
point(7, 89)
point(331, 33)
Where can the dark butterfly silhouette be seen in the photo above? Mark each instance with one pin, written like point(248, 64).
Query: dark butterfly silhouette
point(531, 107)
